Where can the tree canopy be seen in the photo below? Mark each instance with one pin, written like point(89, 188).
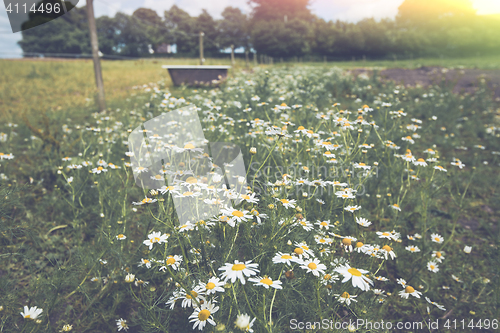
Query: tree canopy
point(277, 28)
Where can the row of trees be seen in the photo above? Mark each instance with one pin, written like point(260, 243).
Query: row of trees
point(277, 28)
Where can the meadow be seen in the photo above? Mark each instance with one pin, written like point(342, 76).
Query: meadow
point(362, 201)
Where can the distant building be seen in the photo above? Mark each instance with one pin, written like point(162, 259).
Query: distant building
point(165, 48)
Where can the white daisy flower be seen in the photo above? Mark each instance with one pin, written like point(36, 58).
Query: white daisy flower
point(99, 169)
point(243, 322)
point(440, 168)
point(144, 201)
point(323, 224)
point(395, 207)
point(306, 225)
point(432, 266)
point(358, 279)
point(313, 266)
point(437, 238)
point(155, 237)
point(121, 324)
point(250, 198)
point(363, 222)
point(190, 297)
point(287, 203)
point(438, 256)
point(412, 248)
point(172, 261)
point(440, 307)
point(283, 258)
point(31, 313)
point(388, 252)
point(203, 314)
point(121, 237)
point(238, 270)
point(236, 215)
point(352, 209)
point(392, 235)
point(266, 282)
point(346, 298)
point(145, 262)
point(214, 284)
point(303, 250)
point(409, 290)
point(140, 169)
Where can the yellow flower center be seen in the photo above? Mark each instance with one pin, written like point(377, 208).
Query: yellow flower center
point(327, 277)
point(386, 234)
point(286, 256)
point(359, 244)
point(346, 241)
point(409, 289)
point(246, 197)
point(170, 261)
point(237, 213)
point(188, 146)
point(194, 294)
point(437, 239)
point(187, 193)
point(421, 160)
point(354, 271)
point(267, 281)
point(27, 316)
point(432, 266)
point(146, 261)
point(387, 248)
point(203, 315)
point(312, 266)
point(284, 201)
point(438, 254)
point(345, 295)
point(361, 164)
point(210, 286)
point(324, 224)
point(100, 168)
point(301, 128)
point(191, 180)
point(121, 236)
point(298, 250)
point(239, 267)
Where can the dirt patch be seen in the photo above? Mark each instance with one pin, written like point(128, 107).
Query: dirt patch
point(464, 80)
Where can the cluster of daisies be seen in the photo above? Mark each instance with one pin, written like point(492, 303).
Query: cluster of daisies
point(316, 249)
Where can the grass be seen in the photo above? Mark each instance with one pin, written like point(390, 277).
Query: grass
point(62, 221)
point(35, 86)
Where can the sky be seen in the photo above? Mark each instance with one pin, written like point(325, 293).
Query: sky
point(351, 11)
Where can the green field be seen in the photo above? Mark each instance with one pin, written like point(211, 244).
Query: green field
point(342, 173)
point(37, 86)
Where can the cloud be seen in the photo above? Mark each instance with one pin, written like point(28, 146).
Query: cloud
point(355, 10)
